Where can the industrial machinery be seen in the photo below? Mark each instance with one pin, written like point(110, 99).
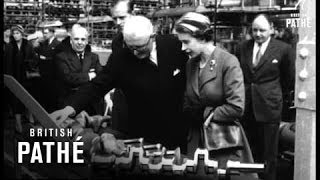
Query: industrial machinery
point(155, 161)
point(139, 159)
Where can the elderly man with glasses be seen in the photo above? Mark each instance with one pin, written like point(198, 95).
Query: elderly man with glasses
point(150, 69)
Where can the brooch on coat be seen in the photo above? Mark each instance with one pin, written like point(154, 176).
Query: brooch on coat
point(212, 64)
point(175, 72)
point(275, 61)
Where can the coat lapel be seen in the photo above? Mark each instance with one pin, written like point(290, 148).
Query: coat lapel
point(86, 62)
point(161, 53)
point(165, 63)
point(194, 75)
point(74, 59)
point(46, 43)
point(53, 43)
point(210, 70)
point(248, 55)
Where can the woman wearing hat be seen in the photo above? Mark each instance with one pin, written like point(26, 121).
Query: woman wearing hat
point(19, 56)
point(215, 89)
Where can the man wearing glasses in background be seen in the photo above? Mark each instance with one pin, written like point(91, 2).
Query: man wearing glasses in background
point(150, 70)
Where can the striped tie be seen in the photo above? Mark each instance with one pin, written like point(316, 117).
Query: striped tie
point(80, 57)
point(257, 58)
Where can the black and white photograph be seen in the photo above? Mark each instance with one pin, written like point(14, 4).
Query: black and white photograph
point(159, 89)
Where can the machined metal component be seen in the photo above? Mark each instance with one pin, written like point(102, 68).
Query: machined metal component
point(130, 141)
point(248, 167)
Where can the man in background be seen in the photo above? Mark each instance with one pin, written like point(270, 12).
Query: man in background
point(117, 104)
point(75, 67)
point(120, 12)
point(268, 66)
point(46, 68)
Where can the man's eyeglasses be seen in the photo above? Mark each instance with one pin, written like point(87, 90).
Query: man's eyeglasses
point(141, 47)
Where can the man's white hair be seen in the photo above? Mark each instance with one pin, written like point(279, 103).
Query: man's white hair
point(76, 27)
point(136, 27)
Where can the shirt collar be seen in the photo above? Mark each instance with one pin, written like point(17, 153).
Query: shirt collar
point(153, 53)
point(263, 47)
point(51, 39)
point(78, 54)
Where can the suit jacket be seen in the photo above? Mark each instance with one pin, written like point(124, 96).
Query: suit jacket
point(154, 93)
point(71, 73)
point(46, 65)
point(117, 42)
point(219, 89)
point(264, 84)
point(47, 49)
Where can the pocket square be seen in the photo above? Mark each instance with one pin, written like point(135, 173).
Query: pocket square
point(175, 72)
point(274, 61)
point(43, 57)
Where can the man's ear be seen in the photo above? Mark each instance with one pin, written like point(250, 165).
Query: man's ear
point(272, 27)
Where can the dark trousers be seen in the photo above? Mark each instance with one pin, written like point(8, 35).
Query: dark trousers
point(263, 138)
point(120, 112)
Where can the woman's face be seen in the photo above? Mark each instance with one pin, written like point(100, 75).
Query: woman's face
point(191, 45)
point(17, 35)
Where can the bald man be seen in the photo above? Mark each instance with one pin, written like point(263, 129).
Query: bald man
point(268, 66)
point(76, 65)
point(151, 73)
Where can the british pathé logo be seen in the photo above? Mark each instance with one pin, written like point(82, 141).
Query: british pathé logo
point(298, 19)
point(63, 149)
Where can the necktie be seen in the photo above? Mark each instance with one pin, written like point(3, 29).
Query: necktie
point(80, 57)
point(257, 58)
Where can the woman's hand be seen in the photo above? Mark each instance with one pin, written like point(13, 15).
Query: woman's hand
point(208, 111)
point(208, 120)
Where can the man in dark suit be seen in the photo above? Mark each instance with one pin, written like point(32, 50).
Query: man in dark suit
point(269, 71)
point(151, 73)
point(46, 53)
point(76, 66)
point(119, 108)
